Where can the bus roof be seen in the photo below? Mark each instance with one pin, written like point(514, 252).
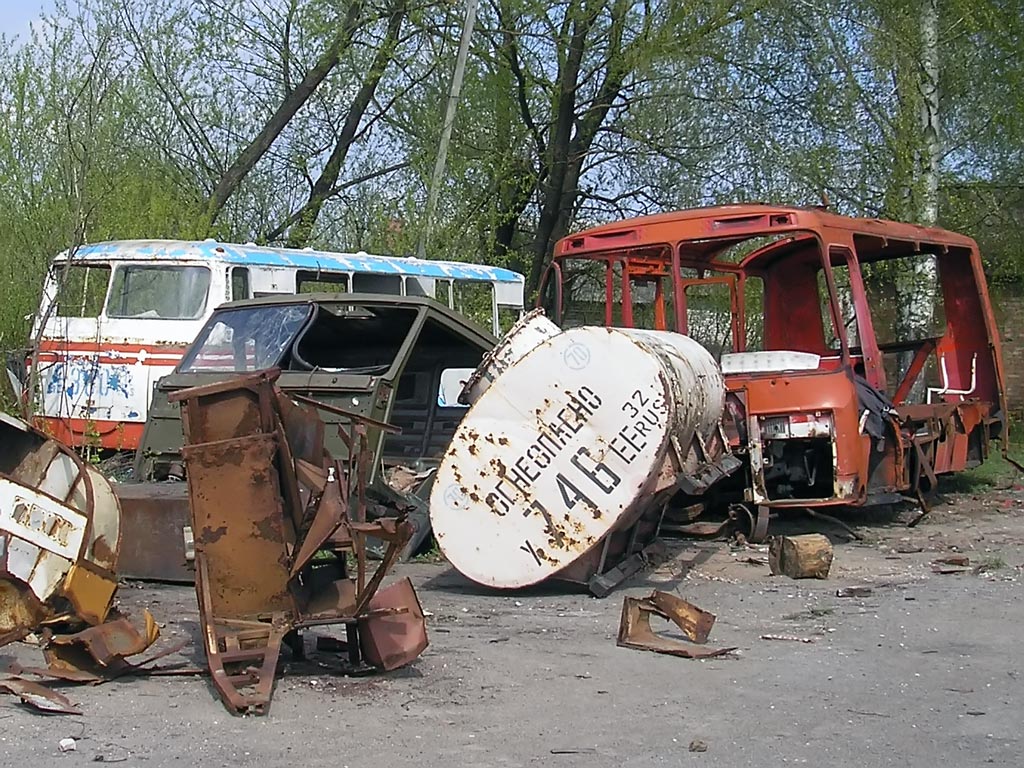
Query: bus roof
point(307, 259)
point(740, 221)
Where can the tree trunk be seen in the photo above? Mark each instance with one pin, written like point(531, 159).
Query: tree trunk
point(324, 187)
point(292, 102)
point(917, 308)
point(929, 86)
point(568, 148)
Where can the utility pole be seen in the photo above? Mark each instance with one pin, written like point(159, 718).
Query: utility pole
point(446, 129)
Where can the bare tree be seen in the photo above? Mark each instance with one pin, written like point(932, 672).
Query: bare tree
point(292, 102)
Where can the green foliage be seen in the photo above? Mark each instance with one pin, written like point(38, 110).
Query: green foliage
point(119, 117)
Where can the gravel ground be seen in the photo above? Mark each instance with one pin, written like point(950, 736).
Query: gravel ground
point(925, 670)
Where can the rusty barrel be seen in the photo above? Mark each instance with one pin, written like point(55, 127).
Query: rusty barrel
point(565, 445)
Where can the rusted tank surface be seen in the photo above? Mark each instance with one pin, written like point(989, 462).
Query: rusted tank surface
point(60, 534)
point(581, 439)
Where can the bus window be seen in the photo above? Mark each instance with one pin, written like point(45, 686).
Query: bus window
point(320, 282)
point(584, 292)
point(651, 299)
point(81, 289)
point(709, 318)
point(550, 295)
point(163, 292)
point(423, 286)
point(848, 316)
point(475, 300)
point(239, 283)
point(905, 298)
point(753, 312)
point(905, 301)
point(507, 317)
point(370, 283)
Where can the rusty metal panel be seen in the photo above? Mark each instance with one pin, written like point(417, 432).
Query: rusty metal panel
point(153, 519)
point(635, 626)
point(394, 632)
point(225, 409)
point(239, 526)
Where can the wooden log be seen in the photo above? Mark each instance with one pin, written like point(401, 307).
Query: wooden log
point(800, 557)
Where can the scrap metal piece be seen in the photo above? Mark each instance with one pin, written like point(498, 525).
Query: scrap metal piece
point(694, 622)
point(39, 696)
point(153, 519)
point(635, 626)
point(70, 675)
point(59, 534)
point(107, 644)
point(394, 631)
point(261, 510)
point(751, 523)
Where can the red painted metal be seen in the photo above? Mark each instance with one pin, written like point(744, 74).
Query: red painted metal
point(806, 248)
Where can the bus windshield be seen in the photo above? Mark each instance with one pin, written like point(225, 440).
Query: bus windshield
point(249, 339)
point(159, 292)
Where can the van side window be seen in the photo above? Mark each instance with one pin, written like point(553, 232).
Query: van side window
point(81, 290)
point(158, 291)
point(239, 283)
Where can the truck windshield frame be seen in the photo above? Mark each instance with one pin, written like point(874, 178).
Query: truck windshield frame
point(246, 339)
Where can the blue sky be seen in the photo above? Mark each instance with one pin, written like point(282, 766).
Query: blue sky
point(15, 16)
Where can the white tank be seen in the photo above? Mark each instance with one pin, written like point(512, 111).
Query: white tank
point(529, 331)
point(566, 444)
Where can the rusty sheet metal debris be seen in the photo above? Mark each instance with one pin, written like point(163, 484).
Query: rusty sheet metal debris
point(59, 535)
point(39, 696)
point(635, 626)
point(154, 517)
point(280, 531)
point(69, 675)
point(393, 632)
point(562, 466)
point(107, 644)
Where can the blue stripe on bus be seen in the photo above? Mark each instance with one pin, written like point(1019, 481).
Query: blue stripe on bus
point(251, 255)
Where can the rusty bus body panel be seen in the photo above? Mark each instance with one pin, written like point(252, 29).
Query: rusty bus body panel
point(844, 387)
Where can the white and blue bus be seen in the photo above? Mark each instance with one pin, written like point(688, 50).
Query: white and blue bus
point(115, 317)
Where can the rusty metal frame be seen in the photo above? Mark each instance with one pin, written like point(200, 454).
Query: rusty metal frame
point(257, 580)
point(698, 238)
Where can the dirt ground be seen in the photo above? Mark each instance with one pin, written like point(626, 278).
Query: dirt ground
point(924, 670)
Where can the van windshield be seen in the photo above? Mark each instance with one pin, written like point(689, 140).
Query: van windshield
point(159, 292)
point(249, 339)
